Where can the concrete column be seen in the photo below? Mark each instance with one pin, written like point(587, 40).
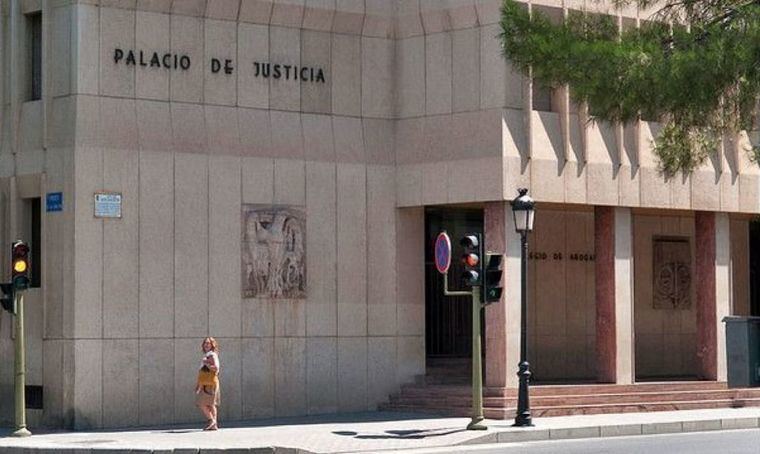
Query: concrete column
point(722, 288)
point(497, 369)
point(705, 236)
point(614, 295)
point(624, 322)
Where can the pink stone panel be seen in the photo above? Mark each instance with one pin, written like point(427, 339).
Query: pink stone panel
point(604, 248)
point(496, 326)
point(704, 232)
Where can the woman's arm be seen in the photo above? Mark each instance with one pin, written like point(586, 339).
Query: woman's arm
point(211, 362)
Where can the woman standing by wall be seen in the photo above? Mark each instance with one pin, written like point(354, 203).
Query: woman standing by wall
point(207, 386)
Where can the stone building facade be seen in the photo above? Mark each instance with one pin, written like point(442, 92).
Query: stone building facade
point(274, 160)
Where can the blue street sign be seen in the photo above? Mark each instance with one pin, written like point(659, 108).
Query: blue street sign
point(54, 202)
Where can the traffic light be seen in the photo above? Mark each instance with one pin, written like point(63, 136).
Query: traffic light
point(20, 265)
point(492, 286)
point(471, 260)
point(6, 299)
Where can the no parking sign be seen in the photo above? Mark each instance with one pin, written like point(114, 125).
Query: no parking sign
point(442, 252)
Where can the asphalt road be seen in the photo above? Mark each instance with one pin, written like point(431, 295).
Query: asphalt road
point(718, 442)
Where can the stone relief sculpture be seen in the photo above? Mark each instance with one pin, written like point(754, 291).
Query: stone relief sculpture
point(672, 274)
point(274, 252)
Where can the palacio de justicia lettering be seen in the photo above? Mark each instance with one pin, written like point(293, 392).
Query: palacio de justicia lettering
point(274, 173)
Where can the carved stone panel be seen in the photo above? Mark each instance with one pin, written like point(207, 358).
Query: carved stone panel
point(274, 252)
point(672, 273)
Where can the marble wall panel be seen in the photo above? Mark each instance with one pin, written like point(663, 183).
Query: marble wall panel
point(410, 358)
point(52, 381)
point(315, 53)
point(318, 137)
point(381, 368)
point(253, 46)
point(381, 239)
point(284, 47)
point(60, 74)
point(156, 232)
point(154, 126)
point(352, 373)
point(547, 157)
point(349, 16)
point(187, 356)
point(221, 44)
point(188, 128)
point(258, 180)
point(351, 248)
point(379, 18)
point(88, 238)
point(346, 75)
point(223, 132)
point(189, 7)
point(377, 77)
point(318, 15)
point(321, 212)
point(187, 39)
point(256, 11)
point(290, 376)
point(191, 246)
point(255, 132)
point(349, 139)
point(322, 374)
point(287, 135)
point(86, 48)
point(409, 68)
point(88, 387)
point(408, 19)
point(120, 389)
point(466, 70)
point(410, 236)
point(223, 9)
point(152, 32)
point(258, 382)
point(438, 73)
point(230, 378)
point(120, 247)
point(287, 13)
point(163, 6)
point(156, 381)
point(117, 30)
point(378, 141)
point(289, 182)
point(224, 243)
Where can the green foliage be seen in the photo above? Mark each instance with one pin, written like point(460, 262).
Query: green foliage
point(702, 81)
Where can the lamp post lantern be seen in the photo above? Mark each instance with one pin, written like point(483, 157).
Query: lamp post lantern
point(523, 212)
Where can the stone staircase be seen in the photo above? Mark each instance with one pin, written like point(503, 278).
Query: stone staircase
point(445, 390)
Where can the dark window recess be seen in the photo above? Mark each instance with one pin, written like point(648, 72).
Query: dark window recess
point(33, 395)
point(34, 25)
point(36, 243)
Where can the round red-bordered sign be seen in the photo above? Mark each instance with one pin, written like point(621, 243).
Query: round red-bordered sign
point(442, 253)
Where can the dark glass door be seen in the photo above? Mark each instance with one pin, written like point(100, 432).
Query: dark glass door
point(448, 320)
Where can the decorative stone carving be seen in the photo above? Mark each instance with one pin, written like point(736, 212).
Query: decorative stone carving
point(274, 252)
point(672, 273)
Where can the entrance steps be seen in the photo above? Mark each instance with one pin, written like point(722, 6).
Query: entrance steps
point(450, 394)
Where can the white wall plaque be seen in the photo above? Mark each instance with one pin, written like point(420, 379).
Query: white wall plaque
point(108, 205)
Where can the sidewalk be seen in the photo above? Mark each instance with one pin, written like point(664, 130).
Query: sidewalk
point(370, 432)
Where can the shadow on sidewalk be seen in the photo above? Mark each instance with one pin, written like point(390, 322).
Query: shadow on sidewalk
point(401, 434)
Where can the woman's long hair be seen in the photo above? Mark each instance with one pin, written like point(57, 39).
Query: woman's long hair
point(214, 344)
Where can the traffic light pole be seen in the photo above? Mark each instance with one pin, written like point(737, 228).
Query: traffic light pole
point(20, 370)
point(477, 370)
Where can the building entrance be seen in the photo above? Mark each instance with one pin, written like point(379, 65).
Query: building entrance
point(754, 267)
point(448, 320)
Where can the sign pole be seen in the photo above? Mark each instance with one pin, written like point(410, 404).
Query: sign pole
point(477, 370)
point(20, 370)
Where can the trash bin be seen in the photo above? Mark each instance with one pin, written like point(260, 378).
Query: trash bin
point(743, 351)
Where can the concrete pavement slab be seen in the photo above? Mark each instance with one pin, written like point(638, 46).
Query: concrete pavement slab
point(367, 432)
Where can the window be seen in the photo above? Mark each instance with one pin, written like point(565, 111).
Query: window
point(34, 41)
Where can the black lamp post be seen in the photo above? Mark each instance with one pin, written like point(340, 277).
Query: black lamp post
point(523, 211)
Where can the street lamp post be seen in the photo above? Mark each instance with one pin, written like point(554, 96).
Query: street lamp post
point(523, 211)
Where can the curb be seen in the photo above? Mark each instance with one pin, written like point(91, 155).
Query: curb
point(106, 450)
point(619, 430)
